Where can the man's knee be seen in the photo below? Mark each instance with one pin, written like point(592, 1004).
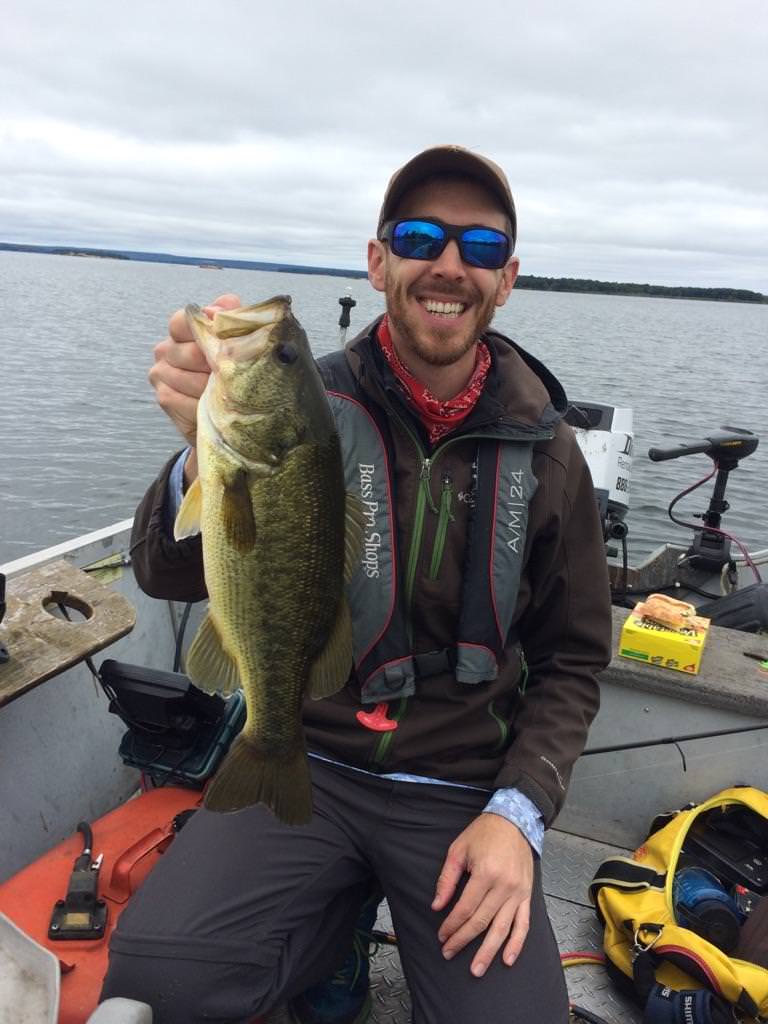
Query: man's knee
point(189, 991)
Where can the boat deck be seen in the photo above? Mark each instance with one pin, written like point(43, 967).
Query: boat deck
point(569, 864)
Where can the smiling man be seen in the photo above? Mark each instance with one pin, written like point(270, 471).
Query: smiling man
point(440, 303)
point(481, 617)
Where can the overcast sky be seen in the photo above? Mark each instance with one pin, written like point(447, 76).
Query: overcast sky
point(634, 134)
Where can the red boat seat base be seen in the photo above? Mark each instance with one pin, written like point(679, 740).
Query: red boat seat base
point(131, 839)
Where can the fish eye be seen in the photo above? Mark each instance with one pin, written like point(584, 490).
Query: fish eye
point(287, 353)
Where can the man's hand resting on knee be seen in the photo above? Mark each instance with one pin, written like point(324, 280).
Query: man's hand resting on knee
point(497, 897)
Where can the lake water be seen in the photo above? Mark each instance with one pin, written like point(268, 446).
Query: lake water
point(82, 437)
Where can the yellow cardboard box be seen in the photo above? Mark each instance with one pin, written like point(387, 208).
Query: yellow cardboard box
point(643, 640)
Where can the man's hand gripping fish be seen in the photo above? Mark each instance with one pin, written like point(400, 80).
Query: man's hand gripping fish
point(279, 539)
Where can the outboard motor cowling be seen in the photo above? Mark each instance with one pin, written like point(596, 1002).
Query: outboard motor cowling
point(604, 434)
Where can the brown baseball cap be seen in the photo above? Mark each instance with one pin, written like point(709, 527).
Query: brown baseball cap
point(448, 160)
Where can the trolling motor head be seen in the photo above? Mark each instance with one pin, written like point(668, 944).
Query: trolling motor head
point(725, 447)
point(711, 550)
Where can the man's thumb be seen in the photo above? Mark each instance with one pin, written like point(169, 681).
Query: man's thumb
point(227, 301)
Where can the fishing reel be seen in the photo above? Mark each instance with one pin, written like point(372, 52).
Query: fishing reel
point(711, 549)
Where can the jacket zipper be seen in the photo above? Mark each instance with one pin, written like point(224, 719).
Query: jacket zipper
point(386, 738)
point(423, 498)
point(503, 728)
point(523, 672)
point(445, 516)
point(501, 722)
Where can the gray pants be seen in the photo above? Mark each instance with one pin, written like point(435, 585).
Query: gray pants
point(243, 913)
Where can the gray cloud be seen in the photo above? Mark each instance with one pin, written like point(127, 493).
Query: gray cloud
point(633, 135)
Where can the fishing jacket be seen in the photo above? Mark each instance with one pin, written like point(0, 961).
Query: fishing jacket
point(481, 606)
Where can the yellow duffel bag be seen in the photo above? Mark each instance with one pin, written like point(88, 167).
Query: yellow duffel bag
point(674, 911)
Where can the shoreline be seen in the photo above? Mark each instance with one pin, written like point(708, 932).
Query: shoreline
point(571, 285)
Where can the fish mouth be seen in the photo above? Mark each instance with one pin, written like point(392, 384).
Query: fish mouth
point(234, 323)
point(238, 335)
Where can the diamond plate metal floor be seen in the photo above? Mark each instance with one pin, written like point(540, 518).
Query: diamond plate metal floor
point(569, 864)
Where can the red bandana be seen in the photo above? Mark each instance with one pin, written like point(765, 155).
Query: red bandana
point(439, 417)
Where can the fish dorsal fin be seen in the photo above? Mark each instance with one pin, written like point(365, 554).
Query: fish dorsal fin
point(237, 511)
point(331, 668)
point(354, 534)
point(207, 663)
point(188, 517)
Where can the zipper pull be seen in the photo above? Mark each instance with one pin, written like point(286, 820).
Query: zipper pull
point(377, 720)
point(446, 498)
point(445, 516)
point(426, 466)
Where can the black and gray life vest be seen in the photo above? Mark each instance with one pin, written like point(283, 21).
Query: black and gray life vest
point(386, 666)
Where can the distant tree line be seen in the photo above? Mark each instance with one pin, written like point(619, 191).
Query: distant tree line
point(578, 284)
point(545, 284)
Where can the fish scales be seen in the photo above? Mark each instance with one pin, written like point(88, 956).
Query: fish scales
point(283, 593)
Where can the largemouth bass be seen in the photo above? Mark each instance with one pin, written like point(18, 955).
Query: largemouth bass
point(279, 537)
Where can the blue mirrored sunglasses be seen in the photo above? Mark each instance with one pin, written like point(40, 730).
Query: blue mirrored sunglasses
point(423, 238)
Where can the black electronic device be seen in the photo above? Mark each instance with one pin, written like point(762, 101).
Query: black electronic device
point(81, 914)
point(733, 845)
point(177, 734)
point(159, 704)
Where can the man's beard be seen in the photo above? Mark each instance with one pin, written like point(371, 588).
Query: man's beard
point(411, 333)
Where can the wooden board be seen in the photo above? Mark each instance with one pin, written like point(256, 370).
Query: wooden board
point(42, 644)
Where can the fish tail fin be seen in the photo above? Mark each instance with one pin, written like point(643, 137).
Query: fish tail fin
point(249, 776)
